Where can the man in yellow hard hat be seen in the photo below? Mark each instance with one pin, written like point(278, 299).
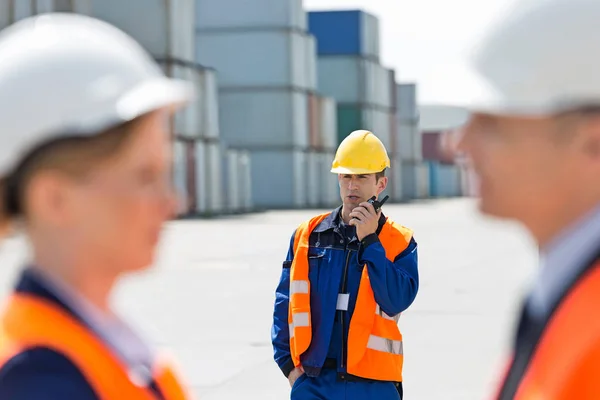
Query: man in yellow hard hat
point(347, 277)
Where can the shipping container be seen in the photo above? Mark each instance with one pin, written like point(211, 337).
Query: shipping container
point(409, 146)
point(444, 180)
point(393, 89)
point(353, 117)
point(202, 188)
point(164, 27)
point(406, 102)
point(278, 178)
point(245, 14)
point(258, 59)
point(328, 123)
point(395, 180)
point(200, 118)
point(394, 146)
point(436, 148)
point(264, 118)
point(415, 180)
point(350, 79)
point(351, 32)
point(314, 121)
point(246, 181)
point(313, 179)
point(211, 172)
point(311, 61)
point(12, 11)
point(330, 189)
point(231, 177)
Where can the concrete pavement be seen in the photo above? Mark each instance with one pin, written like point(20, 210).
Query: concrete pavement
point(211, 301)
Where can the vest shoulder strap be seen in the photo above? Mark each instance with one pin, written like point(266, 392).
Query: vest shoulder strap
point(29, 322)
point(307, 227)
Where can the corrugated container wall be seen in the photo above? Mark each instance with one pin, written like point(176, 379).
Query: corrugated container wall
point(351, 79)
point(164, 27)
point(211, 171)
point(244, 14)
point(406, 94)
point(409, 141)
point(352, 32)
point(313, 179)
point(328, 127)
point(12, 11)
point(200, 118)
point(269, 118)
point(279, 178)
point(258, 59)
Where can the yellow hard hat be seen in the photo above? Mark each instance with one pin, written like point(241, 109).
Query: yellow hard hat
point(361, 152)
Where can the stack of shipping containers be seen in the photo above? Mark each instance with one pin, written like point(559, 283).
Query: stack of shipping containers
point(415, 175)
point(267, 73)
point(445, 175)
point(349, 70)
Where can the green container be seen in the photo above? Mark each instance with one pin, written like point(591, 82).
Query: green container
point(349, 118)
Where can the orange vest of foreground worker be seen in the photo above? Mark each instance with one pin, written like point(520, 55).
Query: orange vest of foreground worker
point(566, 363)
point(374, 340)
point(29, 322)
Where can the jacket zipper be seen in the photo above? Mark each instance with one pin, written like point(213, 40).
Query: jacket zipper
point(342, 320)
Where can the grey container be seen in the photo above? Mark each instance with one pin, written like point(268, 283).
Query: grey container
point(200, 118)
point(264, 118)
point(259, 59)
point(378, 122)
point(394, 173)
point(245, 14)
point(330, 189)
point(232, 180)
point(164, 27)
point(313, 178)
point(407, 102)
point(328, 123)
point(353, 79)
point(209, 182)
point(410, 141)
point(278, 178)
point(415, 180)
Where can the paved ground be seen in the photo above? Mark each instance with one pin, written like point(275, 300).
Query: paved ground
point(211, 303)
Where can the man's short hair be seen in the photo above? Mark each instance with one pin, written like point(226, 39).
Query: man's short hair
point(379, 175)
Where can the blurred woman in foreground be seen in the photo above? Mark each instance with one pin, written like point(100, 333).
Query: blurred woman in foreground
point(85, 167)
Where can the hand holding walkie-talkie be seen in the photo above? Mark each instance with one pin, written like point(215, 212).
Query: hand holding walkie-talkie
point(365, 221)
point(376, 203)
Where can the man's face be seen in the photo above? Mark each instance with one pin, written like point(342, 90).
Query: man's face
point(355, 189)
point(528, 168)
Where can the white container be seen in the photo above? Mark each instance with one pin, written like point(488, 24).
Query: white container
point(330, 189)
point(328, 128)
point(407, 101)
point(202, 189)
point(410, 141)
point(264, 118)
point(314, 176)
point(257, 59)
point(228, 14)
point(245, 173)
point(164, 27)
point(353, 79)
point(278, 178)
point(180, 176)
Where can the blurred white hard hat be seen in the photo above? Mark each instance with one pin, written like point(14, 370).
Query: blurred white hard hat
point(72, 74)
point(542, 58)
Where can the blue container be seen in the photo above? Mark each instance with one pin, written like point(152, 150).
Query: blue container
point(434, 181)
point(352, 32)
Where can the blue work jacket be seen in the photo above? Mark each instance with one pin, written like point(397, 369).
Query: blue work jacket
point(336, 260)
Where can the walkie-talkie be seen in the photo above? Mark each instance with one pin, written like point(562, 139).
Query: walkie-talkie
point(377, 204)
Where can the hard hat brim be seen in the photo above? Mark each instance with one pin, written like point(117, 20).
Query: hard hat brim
point(153, 95)
point(353, 171)
point(458, 85)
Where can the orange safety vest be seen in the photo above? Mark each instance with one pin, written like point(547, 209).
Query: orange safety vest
point(374, 339)
point(28, 322)
point(566, 362)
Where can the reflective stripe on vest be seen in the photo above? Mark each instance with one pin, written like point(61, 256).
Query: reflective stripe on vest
point(375, 348)
point(566, 361)
point(29, 322)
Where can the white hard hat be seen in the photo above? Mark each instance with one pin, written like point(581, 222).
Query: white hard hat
point(72, 74)
point(542, 58)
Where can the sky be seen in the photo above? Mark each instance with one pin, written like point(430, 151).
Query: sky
point(418, 36)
